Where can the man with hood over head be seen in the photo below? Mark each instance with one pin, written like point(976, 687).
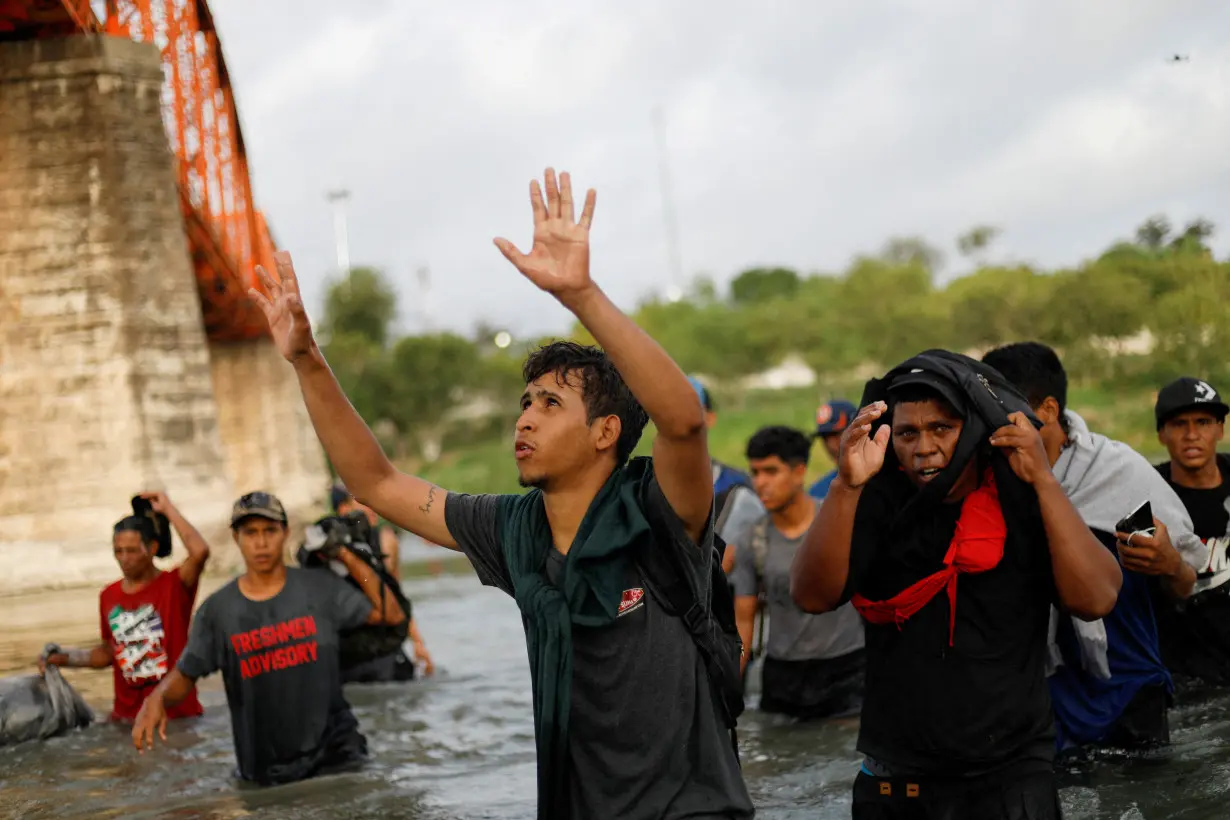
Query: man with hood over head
point(952, 543)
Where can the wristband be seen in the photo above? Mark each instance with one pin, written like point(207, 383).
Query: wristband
point(78, 657)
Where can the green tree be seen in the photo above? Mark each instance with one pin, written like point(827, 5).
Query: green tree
point(362, 304)
point(976, 240)
point(993, 306)
point(1153, 232)
point(912, 250)
point(1194, 236)
point(759, 284)
point(362, 369)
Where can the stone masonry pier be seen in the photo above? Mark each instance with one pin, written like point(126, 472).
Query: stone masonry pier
point(108, 384)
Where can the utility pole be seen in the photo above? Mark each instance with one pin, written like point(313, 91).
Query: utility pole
point(338, 198)
point(675, 292)
point(424, 277)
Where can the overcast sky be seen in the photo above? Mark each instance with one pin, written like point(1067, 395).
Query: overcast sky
point(798, 133)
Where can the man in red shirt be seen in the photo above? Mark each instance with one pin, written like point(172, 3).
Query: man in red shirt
point(144, 615)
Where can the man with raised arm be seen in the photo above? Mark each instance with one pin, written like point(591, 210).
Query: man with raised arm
point(952, 544)
point(627, 722)
point(144, 616)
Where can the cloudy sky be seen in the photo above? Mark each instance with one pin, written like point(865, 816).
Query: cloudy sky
point(798, 133)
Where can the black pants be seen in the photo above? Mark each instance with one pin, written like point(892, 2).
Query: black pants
point(1144, 723)
point(814, 689)
point(1032, 797)
point(395, 667)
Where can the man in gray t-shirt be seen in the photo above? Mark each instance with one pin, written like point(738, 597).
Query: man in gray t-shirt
point(813, 663)
point(274, 634)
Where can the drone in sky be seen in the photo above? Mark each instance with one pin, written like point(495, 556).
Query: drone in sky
point(1178, 58)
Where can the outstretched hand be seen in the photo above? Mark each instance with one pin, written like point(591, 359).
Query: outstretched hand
point(862, 455)
point(283, 309)
point(558, 262)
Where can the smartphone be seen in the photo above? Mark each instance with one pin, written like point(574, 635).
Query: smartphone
point(1138, 520)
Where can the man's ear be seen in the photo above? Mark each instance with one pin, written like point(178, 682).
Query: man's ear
point(608, 429)
point(1048, 412)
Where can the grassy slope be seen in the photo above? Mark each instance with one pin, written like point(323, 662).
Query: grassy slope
point(488, 466)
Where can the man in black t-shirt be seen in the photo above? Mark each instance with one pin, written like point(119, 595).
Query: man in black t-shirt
point(273, 632)
point(1195, 635)
point(627, 721)
point(952, 544)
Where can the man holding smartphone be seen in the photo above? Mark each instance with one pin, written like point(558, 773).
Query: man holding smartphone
point(1110, 687)
point(1191, 422)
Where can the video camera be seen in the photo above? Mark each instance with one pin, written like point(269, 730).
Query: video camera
point(324, 539)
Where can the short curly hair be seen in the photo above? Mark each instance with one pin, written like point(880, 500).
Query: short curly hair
point(603, 389)
point(787, 443)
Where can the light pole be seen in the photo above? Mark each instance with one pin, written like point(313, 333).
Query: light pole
point(338, 198)
point(675, 292)
point(424, 276)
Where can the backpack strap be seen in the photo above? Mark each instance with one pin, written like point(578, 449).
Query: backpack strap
point(760, 545)
point(721, 503)
point(667, 580)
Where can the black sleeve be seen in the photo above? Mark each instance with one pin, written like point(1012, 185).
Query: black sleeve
point(473, 521)
point(200, 656)
point(866, 542)
point(351, 608)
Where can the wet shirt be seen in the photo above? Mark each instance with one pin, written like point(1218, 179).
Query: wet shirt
point(980, 705)
point(1195, 634)
point(645, 739)
point(794, 635)
point(279, 663)
point(1089, 708)
point(146, 630)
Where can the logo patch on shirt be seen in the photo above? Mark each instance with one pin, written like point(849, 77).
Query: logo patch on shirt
point(633, 599)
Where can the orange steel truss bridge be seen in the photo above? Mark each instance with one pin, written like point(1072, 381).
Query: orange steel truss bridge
point(227, 234)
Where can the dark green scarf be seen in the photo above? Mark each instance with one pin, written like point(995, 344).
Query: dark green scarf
point(589, 590)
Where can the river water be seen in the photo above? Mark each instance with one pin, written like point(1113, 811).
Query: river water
point(460, 745)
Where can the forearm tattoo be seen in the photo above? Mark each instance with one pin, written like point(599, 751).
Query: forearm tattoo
point(431, 499)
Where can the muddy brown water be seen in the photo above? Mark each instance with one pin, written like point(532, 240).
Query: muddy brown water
point(461, 745)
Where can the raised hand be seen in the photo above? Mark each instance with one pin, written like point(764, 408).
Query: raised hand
point(558, 262)
point(159, 501)
point(862, 455)
point(1023, 445)
point(283, 309)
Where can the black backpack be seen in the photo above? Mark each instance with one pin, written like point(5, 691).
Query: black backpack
point(369, 641)
point(712, 627)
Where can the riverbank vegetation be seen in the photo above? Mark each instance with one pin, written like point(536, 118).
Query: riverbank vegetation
point(1142, 312)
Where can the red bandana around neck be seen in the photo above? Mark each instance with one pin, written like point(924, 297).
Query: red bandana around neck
point(977, 546)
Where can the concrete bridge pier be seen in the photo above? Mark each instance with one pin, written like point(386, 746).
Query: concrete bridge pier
point(107, 382)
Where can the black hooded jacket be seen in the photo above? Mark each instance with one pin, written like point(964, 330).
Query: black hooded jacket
point(980, 705)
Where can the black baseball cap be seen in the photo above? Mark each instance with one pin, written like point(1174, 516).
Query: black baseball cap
point(259, 505)
point(939, 384)
point(1188, 393)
